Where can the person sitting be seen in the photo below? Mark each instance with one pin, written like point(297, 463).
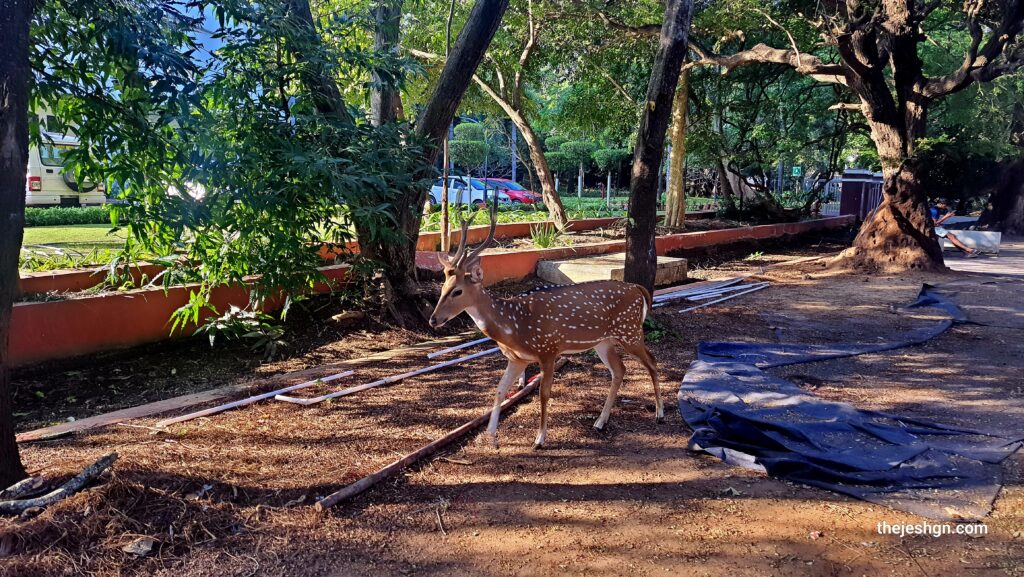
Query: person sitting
point(941, 213)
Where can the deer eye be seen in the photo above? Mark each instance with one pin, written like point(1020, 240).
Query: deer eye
point(457, 293)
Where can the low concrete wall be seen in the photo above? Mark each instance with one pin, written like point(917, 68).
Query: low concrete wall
point(499, 267)
point(78, 279)
point(74, 280)
point(42, 331)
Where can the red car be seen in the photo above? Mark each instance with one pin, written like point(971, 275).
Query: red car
point(515, 191)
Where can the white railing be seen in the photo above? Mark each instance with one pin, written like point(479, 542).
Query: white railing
point(830, 197)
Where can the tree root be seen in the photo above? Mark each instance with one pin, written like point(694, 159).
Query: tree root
point(17, 507)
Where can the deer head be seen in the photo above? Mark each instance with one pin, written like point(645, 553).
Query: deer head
point(463, 276)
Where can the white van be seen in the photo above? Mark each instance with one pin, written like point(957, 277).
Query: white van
point(49, 185)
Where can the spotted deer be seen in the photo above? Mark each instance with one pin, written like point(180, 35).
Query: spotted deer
point(538, 326)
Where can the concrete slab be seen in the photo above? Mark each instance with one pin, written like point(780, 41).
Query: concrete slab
point(606, 267)
point(983, 240)
point(1008, 263)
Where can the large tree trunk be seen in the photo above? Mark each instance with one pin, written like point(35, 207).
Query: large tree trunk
point(675, 203)
point(899, 234)
point(14, 77)
point(385, 102)
point(1007, 201)
point(459, 68)
point(641, 255)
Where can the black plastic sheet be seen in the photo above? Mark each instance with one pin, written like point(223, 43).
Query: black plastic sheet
point(750, 418)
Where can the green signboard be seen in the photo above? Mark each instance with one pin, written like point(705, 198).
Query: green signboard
point(798, 171)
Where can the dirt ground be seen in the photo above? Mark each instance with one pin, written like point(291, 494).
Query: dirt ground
point(230, 495)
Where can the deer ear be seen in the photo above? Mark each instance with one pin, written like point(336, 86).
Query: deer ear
point(475, 272)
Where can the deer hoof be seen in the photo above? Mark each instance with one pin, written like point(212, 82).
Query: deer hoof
point(538, 446)
point(599, 425)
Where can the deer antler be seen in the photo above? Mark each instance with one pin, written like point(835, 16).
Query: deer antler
point(454, 259)
point(460, 255)
point(490, 235)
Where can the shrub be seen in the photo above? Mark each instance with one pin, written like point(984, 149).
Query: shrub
point(545, 236)
point(67, 215)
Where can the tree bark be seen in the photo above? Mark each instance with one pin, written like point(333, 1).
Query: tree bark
point(15, 16)
point(385, 102)
point(899, 234)
point(459, 68)
point(641, 255)
point(675, 203)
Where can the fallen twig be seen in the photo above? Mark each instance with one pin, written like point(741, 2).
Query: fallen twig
point(21, 488)
point(16, 507)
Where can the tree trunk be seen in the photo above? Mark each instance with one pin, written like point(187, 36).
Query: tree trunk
point(431, 127)
point(399, 258)
point(1007, 202)
point(675, 204)
point(14, 78)
point(459, 68)
point(899, 234)
point(641, 255)
point(324, 91)
point(536, 148)
point(547, 180)
point(385, 102)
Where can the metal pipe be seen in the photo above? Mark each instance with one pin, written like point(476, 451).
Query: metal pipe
point(384, 381)
point(718, 293)
point(465, 345)
point(666, 299)
point(250, 400)
point(697, 290)
point(732, 296)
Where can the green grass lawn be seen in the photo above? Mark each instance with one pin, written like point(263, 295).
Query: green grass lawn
point(56, 247)
point(78, 237)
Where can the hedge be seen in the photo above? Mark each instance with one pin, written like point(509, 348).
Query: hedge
point(65, 215)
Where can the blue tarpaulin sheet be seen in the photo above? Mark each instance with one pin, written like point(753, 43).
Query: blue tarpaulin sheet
point(748, 417)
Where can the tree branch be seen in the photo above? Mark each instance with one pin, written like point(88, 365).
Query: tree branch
point(524, 58)
point(323, 89)
point(618, 87)
point(988, 62)
point(806, 64)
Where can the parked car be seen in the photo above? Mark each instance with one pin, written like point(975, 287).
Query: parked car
point(515, 191)
point(473, 190)
point(48, 183)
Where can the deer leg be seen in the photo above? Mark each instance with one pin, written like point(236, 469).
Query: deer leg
point(611, 359)
point(639, 350)
point(512, 373)
point(547, 370)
